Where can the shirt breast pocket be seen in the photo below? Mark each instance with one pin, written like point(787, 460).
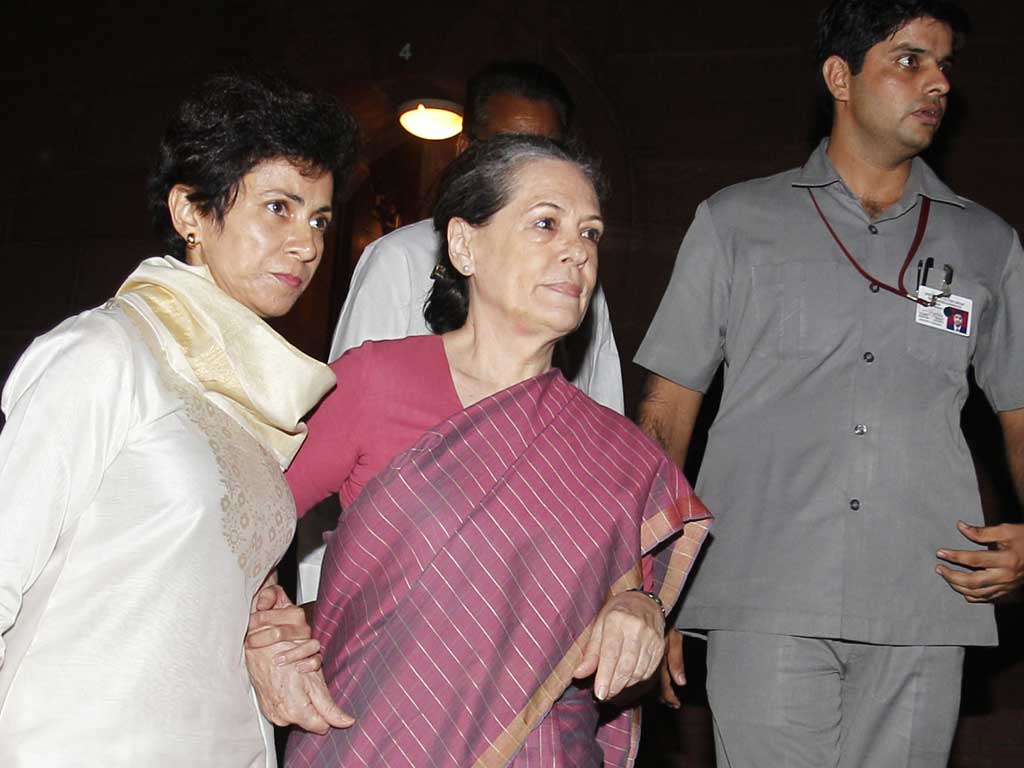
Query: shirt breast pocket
point(796, 305)
point(946, 350)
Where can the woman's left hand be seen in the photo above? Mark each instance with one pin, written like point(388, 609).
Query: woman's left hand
point(626, 644)
point(290, 697)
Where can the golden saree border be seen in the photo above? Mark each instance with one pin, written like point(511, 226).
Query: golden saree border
point(509, 743)
point(680, 556)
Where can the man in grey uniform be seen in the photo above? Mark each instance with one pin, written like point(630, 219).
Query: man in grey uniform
point(836, 467)
point(392, 279)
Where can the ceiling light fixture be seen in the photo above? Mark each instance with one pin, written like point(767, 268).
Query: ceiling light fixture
point(432, 119)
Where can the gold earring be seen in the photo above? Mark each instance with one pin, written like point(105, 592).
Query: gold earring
point(190, 240)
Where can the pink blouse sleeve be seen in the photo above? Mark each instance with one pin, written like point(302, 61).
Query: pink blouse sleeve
point(332, 445)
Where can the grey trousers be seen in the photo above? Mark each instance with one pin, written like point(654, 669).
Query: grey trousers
point(796, 702)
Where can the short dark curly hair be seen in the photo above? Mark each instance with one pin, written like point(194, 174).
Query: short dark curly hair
point(849, 28)
point(477, 185)
point(233, 122)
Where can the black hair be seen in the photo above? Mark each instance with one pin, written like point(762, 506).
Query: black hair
point(848, 28)
point(477, 185)
point(518, 77)
point(230, 124)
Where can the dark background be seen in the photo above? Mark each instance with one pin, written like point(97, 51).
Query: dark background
point(677, 98)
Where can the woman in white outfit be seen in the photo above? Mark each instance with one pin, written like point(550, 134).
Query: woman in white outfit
point(142, 503)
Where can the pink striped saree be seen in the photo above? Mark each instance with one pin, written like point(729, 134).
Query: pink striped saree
point(458, 591)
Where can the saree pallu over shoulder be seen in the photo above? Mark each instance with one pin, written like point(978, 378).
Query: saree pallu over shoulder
point(459, 590)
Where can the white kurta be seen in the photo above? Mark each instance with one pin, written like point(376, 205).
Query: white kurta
point(137, 520)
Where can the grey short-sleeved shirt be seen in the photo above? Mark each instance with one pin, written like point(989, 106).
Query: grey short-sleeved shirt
point(836, 466)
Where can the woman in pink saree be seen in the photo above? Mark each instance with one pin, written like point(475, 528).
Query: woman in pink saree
point(507, 544)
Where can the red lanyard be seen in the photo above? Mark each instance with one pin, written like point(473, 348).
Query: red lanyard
point(922, 225)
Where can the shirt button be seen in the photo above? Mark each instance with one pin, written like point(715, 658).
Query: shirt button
point(869, 358)
point(873, 287)
point(860, 429)
point(872, 229)
point(854, 504)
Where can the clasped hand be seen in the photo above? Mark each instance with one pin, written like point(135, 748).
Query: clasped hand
point(284, 666)
point(625, 645)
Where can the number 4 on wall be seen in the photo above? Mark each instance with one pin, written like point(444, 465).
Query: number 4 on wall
point(406, 52)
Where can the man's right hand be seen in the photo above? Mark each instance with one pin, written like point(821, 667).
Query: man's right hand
point(672, 670)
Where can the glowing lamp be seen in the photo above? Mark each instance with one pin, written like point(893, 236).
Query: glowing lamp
point(432, 119)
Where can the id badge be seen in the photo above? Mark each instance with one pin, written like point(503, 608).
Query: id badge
point(952, 314)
